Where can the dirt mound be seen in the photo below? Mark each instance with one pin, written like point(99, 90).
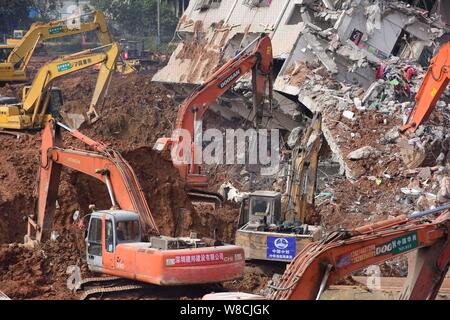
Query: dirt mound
point(135, 114)
point(136, 111)
point(18, 167)
point(40, 273)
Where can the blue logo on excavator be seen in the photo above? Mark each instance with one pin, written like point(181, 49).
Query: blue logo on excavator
point(64, 66)
point(56, 30)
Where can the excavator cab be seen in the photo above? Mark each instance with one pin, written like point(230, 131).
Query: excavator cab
point(106, 230)
point(265, 235)
point(261, 209)
point(135, 55)
point(114, 246)
point(13, 117)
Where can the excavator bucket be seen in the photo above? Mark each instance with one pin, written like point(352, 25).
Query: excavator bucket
point(92, 115)
point(413, 156)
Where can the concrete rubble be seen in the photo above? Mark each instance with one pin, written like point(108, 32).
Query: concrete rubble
point(358, 62)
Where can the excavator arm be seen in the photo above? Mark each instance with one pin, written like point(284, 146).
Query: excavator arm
point(22, 53)
point(36, 98)
point(431, 90)
point(259, 62)
point(324, 263)
point(301, 189)
point(104, 164)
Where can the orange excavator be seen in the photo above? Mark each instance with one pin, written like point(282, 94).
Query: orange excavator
point(431, 90)
point(424, 236)
point(114, 237)
point(324, 263)
point(259, 61)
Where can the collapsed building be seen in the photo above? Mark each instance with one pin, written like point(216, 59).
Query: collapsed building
point(338, 57)
point(358, 62)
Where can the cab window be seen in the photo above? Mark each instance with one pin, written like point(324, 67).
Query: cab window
point(4, 54)
point(109, 235)
point(95, 237)
point(260, 207)
point(127, 231)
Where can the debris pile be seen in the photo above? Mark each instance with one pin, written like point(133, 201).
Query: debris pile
point(361, 128)
point(135, 114)
point(41, 273)
point(361, 64)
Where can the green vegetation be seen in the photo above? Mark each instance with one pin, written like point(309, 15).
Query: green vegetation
point(138, 18)
point(20, 14)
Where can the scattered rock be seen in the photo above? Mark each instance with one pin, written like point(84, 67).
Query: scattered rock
point(425, 173)
point(443, 195)
point(364, 153)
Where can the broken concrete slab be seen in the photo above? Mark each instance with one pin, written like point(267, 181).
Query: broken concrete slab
point(425, 173)
point(443, 195)
point(364, 153)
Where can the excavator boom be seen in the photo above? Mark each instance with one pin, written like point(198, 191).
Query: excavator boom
point(104, 164)
point(324, 263)
point(13, 69)
point(259, 62)
point(431, 90)
point(34, 110)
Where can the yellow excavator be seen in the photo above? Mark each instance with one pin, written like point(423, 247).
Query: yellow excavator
point(8, 44)
point(274, 226)
point(41, 101)
point(15, 56)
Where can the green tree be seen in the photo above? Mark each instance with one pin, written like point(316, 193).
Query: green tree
point(47, 9)
point(19, 14)
point(138, 17)
point(14, 14)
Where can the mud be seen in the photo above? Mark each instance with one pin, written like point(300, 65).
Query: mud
point(40, 273)
point(135, 114)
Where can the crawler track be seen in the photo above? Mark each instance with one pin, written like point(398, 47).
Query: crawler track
point(108, 285)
